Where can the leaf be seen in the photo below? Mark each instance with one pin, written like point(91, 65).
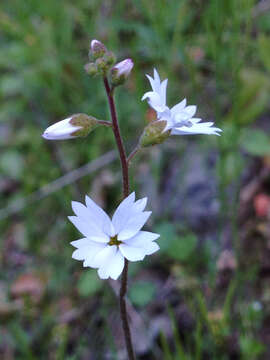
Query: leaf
point(168, 235)
point(264, 50)
point(255, 142)
point(89, 283)
point(142, 292)
point(182, 247)
point(178, 247)
point(251, 347)
point(252, 99)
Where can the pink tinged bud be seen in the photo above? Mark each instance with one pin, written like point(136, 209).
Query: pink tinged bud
point(121, 71)
point(97, 49)
point(124, 67)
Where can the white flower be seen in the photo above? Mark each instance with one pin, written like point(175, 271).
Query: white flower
point(61, 130)
point(107, 242)
point(180, 117)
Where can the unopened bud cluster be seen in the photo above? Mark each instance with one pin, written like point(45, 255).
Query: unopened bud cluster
point(102, 61)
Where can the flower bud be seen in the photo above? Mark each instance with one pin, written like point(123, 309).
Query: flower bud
point(75, 126)
point(154, 133)
point(97, 49)
point(102, 66)
point(91, 69)
point(121, 71)
point(109, 58)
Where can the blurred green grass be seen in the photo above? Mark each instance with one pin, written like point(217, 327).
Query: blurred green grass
point(215, 53)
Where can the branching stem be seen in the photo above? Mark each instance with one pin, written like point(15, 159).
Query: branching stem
point(125, 178)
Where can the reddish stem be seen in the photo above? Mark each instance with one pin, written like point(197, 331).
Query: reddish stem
point(124, 165)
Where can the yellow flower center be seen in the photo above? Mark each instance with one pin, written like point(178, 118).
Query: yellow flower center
point(114, 241)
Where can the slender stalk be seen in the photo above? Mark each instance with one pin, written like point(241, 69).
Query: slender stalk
point(133, 153)
point(118, 138)
point(104, 122)
point(125, 178)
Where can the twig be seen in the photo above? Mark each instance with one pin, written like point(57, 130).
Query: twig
point(58, 184)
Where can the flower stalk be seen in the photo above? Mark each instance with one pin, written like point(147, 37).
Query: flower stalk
point(125, 180)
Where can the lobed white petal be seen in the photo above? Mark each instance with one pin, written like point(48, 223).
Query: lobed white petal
point(102, 258)
point(100, 217)
point(88, 251)
point(87, 230)
point(196, 129)
point(113, 268)
point(126, 211)
point(80, 243)
point(132, 253)
point(133, 225)
point(145, 241)
point(87, 216)
point(140, 205)
point(122, 212)
point(178, 107)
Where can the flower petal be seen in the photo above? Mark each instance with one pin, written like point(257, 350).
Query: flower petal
point(178, 107)
point(113, 268)
point(140, 204)
point(100, 217)
point(156, 76)
point(132, 253)
point(163, 88)
point(155, 101)
point(152, 81)
point(141, 238)
point(103, 257)
point(133, 225)
point(121, 213)
point(151, 248)
point(80, 243)
point(145, 241)
point(86, 229)
point(126, 210)
point(199, 128)
point(190, 110)
point(87, 216)
point(88, 251)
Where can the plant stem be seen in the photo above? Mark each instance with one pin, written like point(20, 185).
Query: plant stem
point(124, 165)
point(118, 138)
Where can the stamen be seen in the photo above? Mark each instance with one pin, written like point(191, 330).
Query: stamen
point(114, 241)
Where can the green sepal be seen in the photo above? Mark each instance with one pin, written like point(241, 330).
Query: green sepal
point(86, 122)
point(154, 133)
